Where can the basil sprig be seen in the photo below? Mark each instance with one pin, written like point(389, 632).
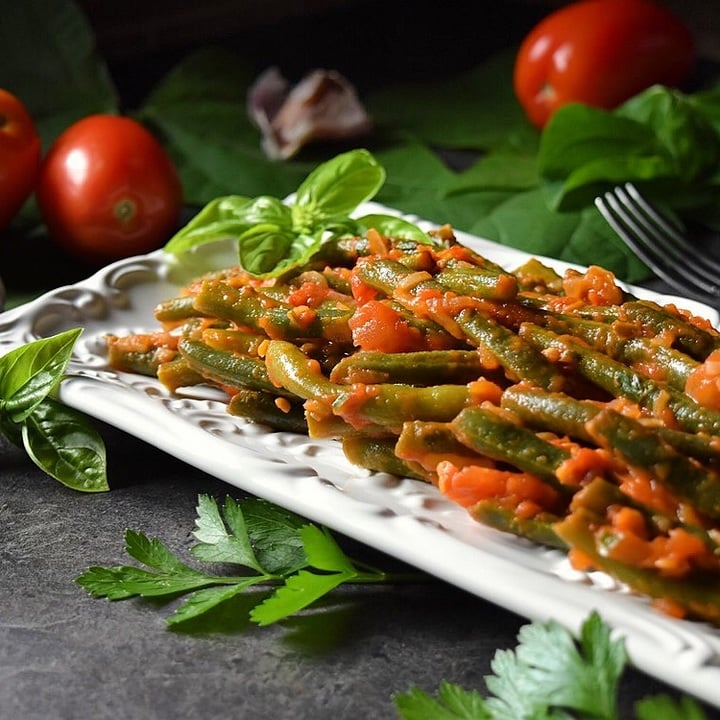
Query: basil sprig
point(274, 236)
point(666, 142)
point(58, 439)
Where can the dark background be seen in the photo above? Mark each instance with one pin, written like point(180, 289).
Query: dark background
point(373, 41)
point(370, 41)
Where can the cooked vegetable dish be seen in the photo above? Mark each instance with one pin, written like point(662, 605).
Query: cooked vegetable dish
point(555, 407)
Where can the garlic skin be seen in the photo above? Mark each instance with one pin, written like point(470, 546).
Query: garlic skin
point(324, 105)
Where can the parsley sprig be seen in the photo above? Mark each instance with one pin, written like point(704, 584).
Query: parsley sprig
point(550, 675)
point(300, 561)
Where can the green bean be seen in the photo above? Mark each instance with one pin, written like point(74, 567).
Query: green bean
point(227, 368)
point(641, 447)
point(536, 277)
point(478, 282)
point(327, 426)
point(263, 408)
point(553, 411)
point(652, 320)
point(177, 373)
point(387, 275)
point(230, 340)
point(391, 405)
point(492, 435)
point(290, 368)
point(640, 352)
point(563, 415)
point(539, 529)
point(518, 358)
point(435, 335)
point(697, 592)
point(672, 366)
point(176, 309)
point(471, 258)
point(428, 443)
point(252, 310)
point(378, 454)
point(141, 363)
point(388, 405)
point(431, 367)
point(621, 381)
point(345, 251)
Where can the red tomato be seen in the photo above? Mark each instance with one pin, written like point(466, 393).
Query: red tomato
point(108, 190)
point(20, 153)
point(600, 52)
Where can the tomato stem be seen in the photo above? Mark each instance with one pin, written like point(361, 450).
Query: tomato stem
point(125, 210)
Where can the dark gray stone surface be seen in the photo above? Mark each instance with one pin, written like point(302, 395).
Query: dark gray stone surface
point(66, 656)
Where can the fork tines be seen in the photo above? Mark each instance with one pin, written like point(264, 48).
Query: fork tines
point(660, 242)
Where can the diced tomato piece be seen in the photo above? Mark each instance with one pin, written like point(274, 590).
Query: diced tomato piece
point(376, 326)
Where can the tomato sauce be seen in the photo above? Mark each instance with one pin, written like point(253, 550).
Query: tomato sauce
point(703, 384)
point(523, 493)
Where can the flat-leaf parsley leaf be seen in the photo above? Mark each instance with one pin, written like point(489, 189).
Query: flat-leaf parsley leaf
point(550, 675)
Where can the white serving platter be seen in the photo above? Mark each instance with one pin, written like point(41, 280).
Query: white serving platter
point(405, 518)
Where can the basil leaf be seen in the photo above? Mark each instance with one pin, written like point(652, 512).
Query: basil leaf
point(393, 226)
point(662, 139)
point(681, 129)
point(498, 171)
point(265, 248)
point(273, 236)
point(12, 431)
point(268, 210)
point(29, 373)
point(62, 442)
point(708, 102)
point(220, 219)
point(577, 136)
point(337, 187)
point(588, 181)
point(418, 183)
point(227, 217)
point(338, 227)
